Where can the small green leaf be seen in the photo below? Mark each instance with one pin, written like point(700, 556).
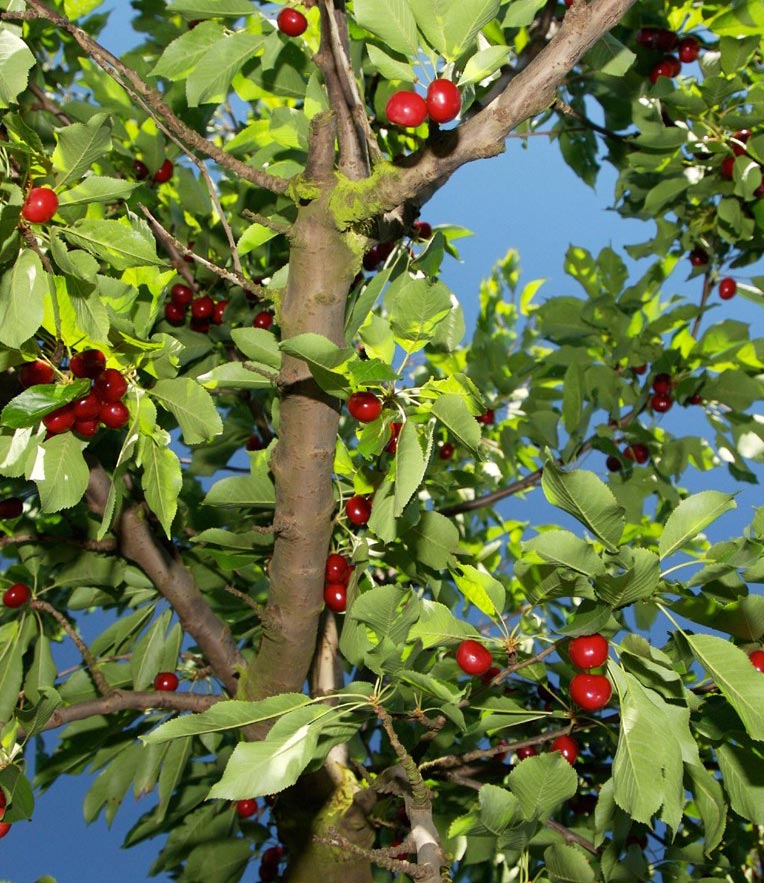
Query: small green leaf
point(481, 589)
point(211, 77)
point(542, 784)
point(192, 406)
point(125, 243)
point(743, 777)
point(454, 413)
point(392, 22)
point(16, 60)
point(60, 472)
point(162, 478)
point(259, 345)
point(410, 463)
point(30, 406)
point(79, 146)
point(23, 289)
point(566, 549)
point(690, 517)
point(568, 863)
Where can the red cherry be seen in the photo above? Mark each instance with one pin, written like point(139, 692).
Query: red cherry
point(662, 382)
point(395, 430)
point(201, 326)
point(526, 751)
point(11, 508)
point(264, 319)
point(60, 420)
point(639, 369)
point(166, 681)
point(421, 230)
point(489, 675)
point(181, 294)
point(613, 464)
point(202, 307)
point(254, 443)
point(87, 408)
point(218, 311)
point(245, 809)
point(698, 257)
point(637, 452)
point(337, 568)
point(16, 595)
point(590, 691)
point(140, 170)
point(85, 428)
point(473, 658)
point(443, 101)
point(5, 827)
point(336, 597)
point(36, 373)
point(726, 169)
point(647, 37)
point(727, 288)
point(364, 406)
point(291, 22)
point(175, 314)
point(110, 385)
point(358, 510)
point(739, 140)
point(487, 417)
point(88, 363)
point(695, 399)
point(567, 746)
point(40, 205)
point(407, 109)
point(114, 415)
point(757, 659)
point(163, 174)
point(446, 451)
point(661, 402)
point(665, 68)
point(269, 863)
point(588, 651)
point(689, 49)
point(666, 40)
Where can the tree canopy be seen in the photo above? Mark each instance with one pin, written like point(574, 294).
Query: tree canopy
point(250, 449)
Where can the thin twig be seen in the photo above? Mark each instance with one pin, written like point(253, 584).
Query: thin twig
point(271, 223)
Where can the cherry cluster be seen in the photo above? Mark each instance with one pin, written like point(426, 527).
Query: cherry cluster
point(161, 176)
point(337, 575)
point(421, 231)
point(103, 405)
point(663, 40)
point(409, 110)
point(204, 311)
point(589, 691)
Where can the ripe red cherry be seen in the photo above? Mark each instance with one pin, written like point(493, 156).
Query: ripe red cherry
point(407, 109)
point(110, 385)
point(181, 294)
point(421, 229)
point(140, 170)
point(638, 453)
point(689, 49)
point(698, 257)
point(245, 809)
point(526, 751)
point(613, 464)
point(590, 691)
point(446, 451)
point(489, 675)
point(36, 373)
point(443, 101)
point(567, 746)
point(395, 430)
point(757, 659)
point(166, 681)
point(40, 205)
point(254, 443)
point(291, 22)
point(664, 68)
point(5, 827)
point(11, 508)
point(163, 174)
point(264, 319)
point(739, 140)
point(647, 37)
point(202, 307)
point(639, 369)
point(16, 595)
point(695, 399)
point(269, 864)
point(337, 568)
point(88, 363)
point(364, 406)
point(85, 428)
point(60, 420)
point(487, 417)
point(473, 658)
point(218, 311)
point(726, 169)
point(175, 314)
point(662, 382)
point(87, 408)
point(114, 415)
point(358, 510)
point(336, 597)
point(727, 288)
point(666, 40)
point(661, 402)
point(588, 651)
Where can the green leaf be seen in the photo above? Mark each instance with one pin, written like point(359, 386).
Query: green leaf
point(211, 77)
point(433, 540)
point(451, 27)
point(388, 67)
point(212, 8)
point(79, 146)
point(568, 863)
point(743, 777)
point(641, 579)
point(690, 517)
point(30, 406)
point(541, 784)
point(77, 8)
point(739, 18)
point(125, 243)
point(97, 188)
point(256, 769)
point(226, 715)
point(520, 13)
point(566, 549)
point(392, 22)
point(410, 463)
point(246, 490)
point(610, 57)
point(162, 478)
point(192, 406)
point(147, 656)
point(182, 55)
point(481, 589)
point(41, 675)
point(221, 861)
point(12, 650)
point(324, 358)
point(734, 675)
point(437, 625)
point(23, 289)
point(259, 345)
point(709, 800)
point(415, 309)
point(236, 375)
point(587, 498)
point(454, 413)
point(16, 60)
point(60, 472)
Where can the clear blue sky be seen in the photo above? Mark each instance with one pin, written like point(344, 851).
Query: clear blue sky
point(527, 199)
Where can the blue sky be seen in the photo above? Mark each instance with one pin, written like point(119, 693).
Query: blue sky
point(527, 199)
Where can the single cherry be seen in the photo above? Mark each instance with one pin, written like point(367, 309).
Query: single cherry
point(698, 257)
point(526, 751)
point(87, 408)
point(757, 660)
point(85, 428)
point(421, 230)
point(487, 417)
point(337, 568)
point(40, 205)
point(114, 415)
point(5, 827)
point(590, 691)
point(60, 420)
point(88, 363)
point(567, 746)
point(36, 373)
point(11, 508)
point(473, 658)
point(202, 307)
point(613, 464)
point(638, 453)
point(140, 170)
point(245, 809)
point(181, 294)
point(661, 402)
point(291, 22)
point(263, 319)
point(727, 168)
point(364, 406)
point(16, 595)
point(358, 510)
point(739, 140)
point(163, 174)
point(395, 430)
point(727, 288)
point(166, 681)
point(336, 597)
point(407, 109)
point(443, 101)
point(689, 49)
point(662, 382)
point(254, 443)
point(218, 312)
point(446, 451)
point(110, 385)
point(175, 314)
point(588, 651)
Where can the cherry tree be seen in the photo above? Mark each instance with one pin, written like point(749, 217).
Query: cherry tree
point(247, 441)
